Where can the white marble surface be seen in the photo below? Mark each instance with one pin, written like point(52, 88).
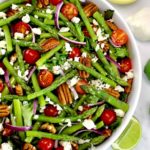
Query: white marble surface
point(143, 110)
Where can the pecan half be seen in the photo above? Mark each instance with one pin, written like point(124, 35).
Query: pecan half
point(19, 90)
point(28, 146)
point(49, 127)
point(64, 94)
point(107, 133)
point(4, 110)
point(75, 146)
point(112, 25)
point(90, 9)
point(49, 44)
point(43, 3)
point(129, 87)
point(87, 62)
point(104, 45)
point(113, 92)
point(11, 12)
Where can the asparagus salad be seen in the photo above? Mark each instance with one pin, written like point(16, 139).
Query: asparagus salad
point(65, 75)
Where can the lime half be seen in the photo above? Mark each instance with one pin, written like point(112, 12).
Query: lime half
point(122, 2)
point(130, 136)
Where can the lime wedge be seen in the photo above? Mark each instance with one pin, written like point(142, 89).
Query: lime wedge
point(130, 136)
point(122, 2)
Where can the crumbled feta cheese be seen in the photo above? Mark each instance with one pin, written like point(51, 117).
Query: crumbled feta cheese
point(119, 88)
point(95, 22)
point(95, 59)
point(100, 35)
point(26, 18)
point(73, 81)
point(49, 11)
point(1, 127)
point(1, 33)
point(79, 120)
point(99, 85)
point(3, 15)
point(36, 116)
point(68, 121)
point(64, 29)
point(1, 71)
point(18, 35)
point(28, 5)
point(43, 67)
point(66, 145)
point(119, 113)
point(81, 141)
point(25, 103)
point(42, 109)
point(102, 45)
point(57, 70)
point(97, 47)
point(36, 16)
point(66, 66)
point(92, 147)
point(89, 124)
point(6, 146)
point(75, 20)
point(84, 54)
point(24, 76)
point(76, 59)
point(68, 47)
point(14, 7)
point(59, 108)
point(105, 53)
point(130, 74)
point(80, 108)
point(2, 51)
point(83, 1)
point(36, 31)
point(3, 44)
point(47, 99)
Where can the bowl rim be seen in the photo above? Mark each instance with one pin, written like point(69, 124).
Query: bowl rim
point(136, 96)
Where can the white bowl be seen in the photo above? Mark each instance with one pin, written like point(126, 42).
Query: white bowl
point(134, 53)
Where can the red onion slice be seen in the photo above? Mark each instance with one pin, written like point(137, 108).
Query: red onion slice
point(7, 81)
point(18, 128)
point(113, 44)
point(72, 41)
point(56, 141)
point(33, 35)
point(97, 104)
point(58, 8)
point(113, 61)
point(35, 104)
point(31, 71)
point(95, 131)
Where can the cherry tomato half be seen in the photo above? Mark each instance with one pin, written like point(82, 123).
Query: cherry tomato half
point(69, 10)
point(55, 2)
point(45, 78)
point(1, 85)
point(31, 56)
point(119, 37)
point(51, 110)
point(125, 65)
point(45, 144)
point(108, 116)
point(75, 53)
point(21, 27)
point(78, 86)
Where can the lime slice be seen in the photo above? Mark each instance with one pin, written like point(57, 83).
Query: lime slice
point(122, 2)
point(130, 136)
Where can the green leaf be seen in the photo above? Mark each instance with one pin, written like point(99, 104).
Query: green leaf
point(108, 14)
point(122, 52)
point(147, 69)
point(27, 112)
